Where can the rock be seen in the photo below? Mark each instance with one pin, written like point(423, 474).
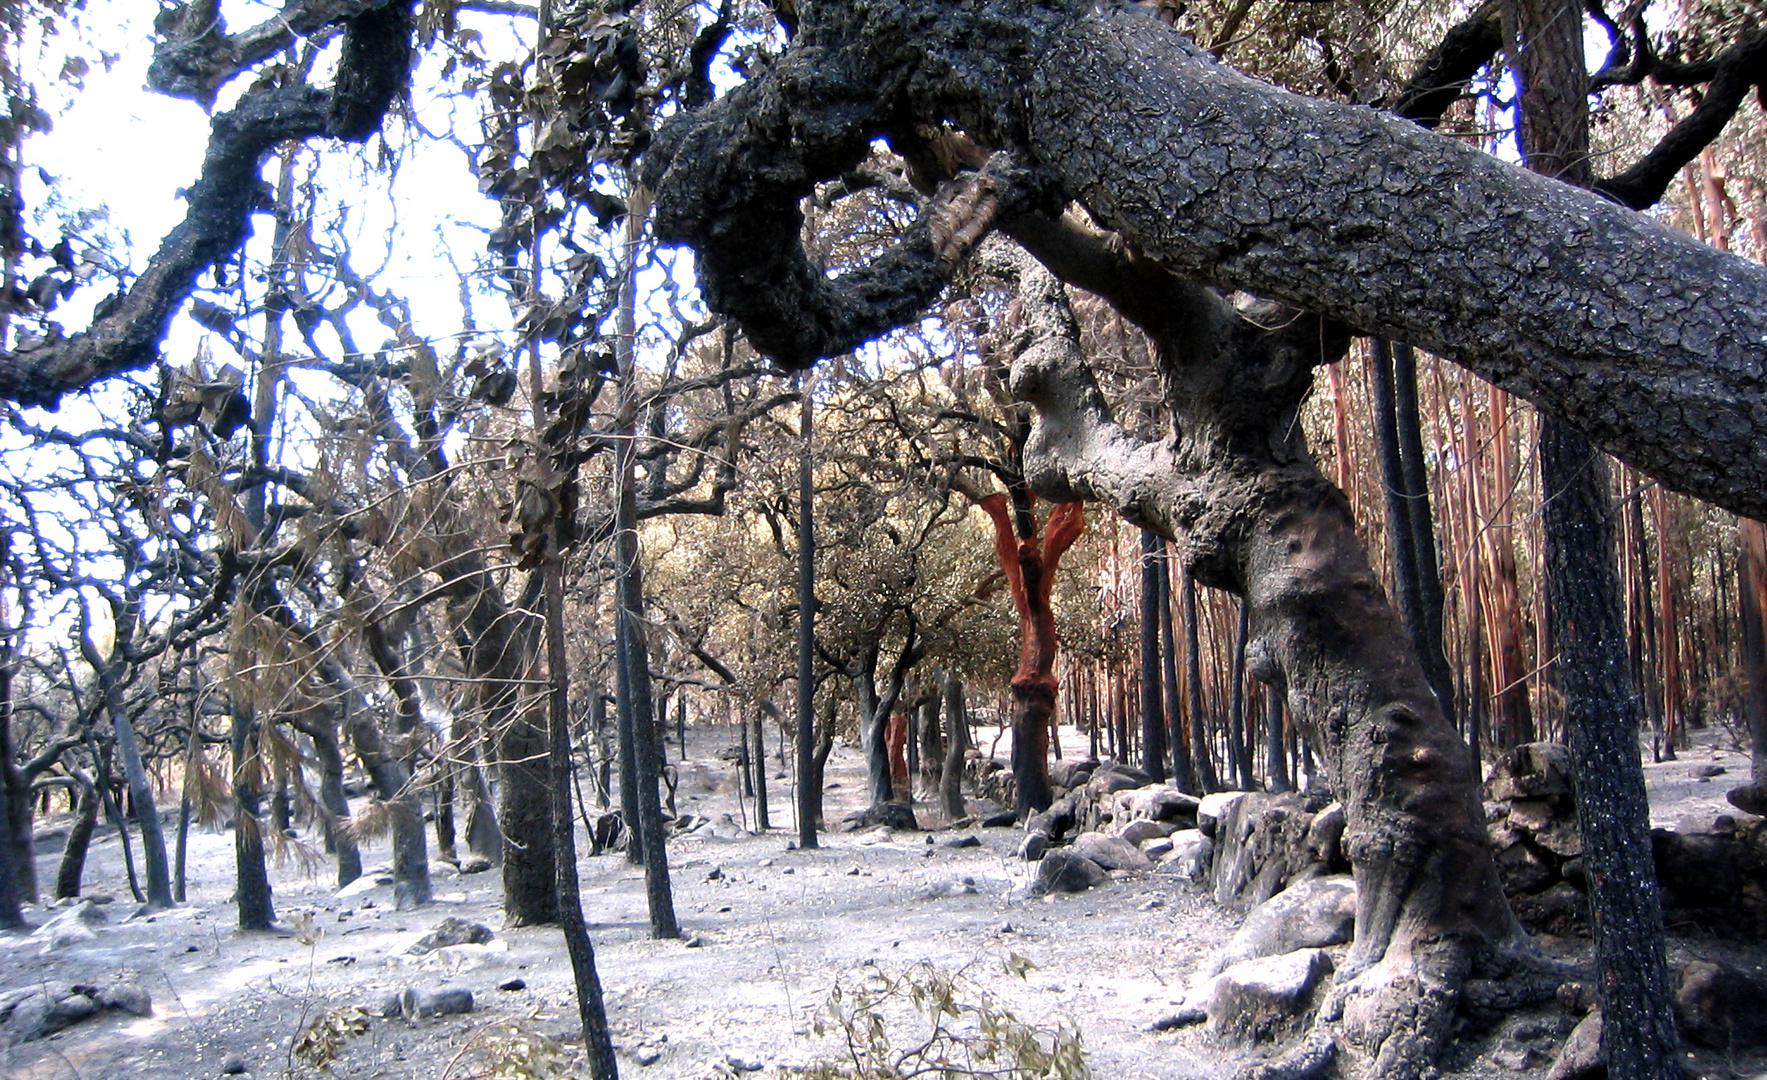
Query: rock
point(1514, 1056)
point(1064, 871)
point(1155, 849)
point(956, 887)
point(1211, 809)
point(744, 1064)
point(722, 827)
point(1153, 802)
point(232, 1065)
point(1267, 998)
point(1707, 771)
point(1721, 1007)
point(966, 841)
point(1005, 819)
point(475, 864)
point(1559, 910)
point(1191, 855)
point(129, 997)
point(1718, 880)
point(1034, 847)
point(453, 930)
point(1580, 1058)
point(445, 1001)
point(1111, 852)
point(647, 1055)
point(1312, 914)
point(1141, 830)
point(367, 883)
point(1325, 835)
point(1750, 799)
point(513, 985)
point(1524, 869)
point(1260, 847)
point(441, 868)
point(1054, 822)
point(1530, 771)
point(1071, 774)
point(57, 936)
point(1112, 778)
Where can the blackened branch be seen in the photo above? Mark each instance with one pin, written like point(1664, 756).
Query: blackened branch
point(1733, 74)
point(126, 335)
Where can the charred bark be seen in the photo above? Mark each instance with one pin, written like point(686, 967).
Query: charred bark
point(1153, 716)
point(79, 841)
point(1219, 178)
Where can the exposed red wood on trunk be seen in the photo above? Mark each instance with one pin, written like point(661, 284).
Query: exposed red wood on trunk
point(1029, 564)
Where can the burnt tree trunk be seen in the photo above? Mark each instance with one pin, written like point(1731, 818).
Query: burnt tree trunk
point(1752, 589)
point(252, 884)
point(79, 841)
point(1638, 1034)
point(956, 746)
point(1238, 491)
point(1153, 717)
point(1201, 760)
point(1183, 775)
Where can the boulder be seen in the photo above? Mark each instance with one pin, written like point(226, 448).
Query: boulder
point(1153, 802)
point(1063, 871)
point(128, 997)
point(1561, 909)
point(1580, 1058)
point(1035, 845)
point(1265, 999)
point(452, 931)
point(1721, 1007)
point(1312, 914)
point(1717, 879)
point(1750, 799)
point(1530, 771)
point(1524, 868)
point(442, 1001)
point(1112, 778)
point(1261, 846)
point(1054, 822)
point(1191, 855)
point(1156, 849)
point(1141, 830)
point(1211, 809)
point(1325, 836)
point(1111, 852)
point(1071, 774)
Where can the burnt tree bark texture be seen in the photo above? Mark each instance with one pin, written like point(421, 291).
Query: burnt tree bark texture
point(1638, 1035)
point(1580, 306)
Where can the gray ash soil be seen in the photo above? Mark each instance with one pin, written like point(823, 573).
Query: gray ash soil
point(770, 932)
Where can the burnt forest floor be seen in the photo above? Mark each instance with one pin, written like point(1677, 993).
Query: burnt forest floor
point(770, 933)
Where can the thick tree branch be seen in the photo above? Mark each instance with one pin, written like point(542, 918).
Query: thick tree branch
point(126, 333)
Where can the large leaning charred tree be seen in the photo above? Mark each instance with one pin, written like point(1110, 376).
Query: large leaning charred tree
point(1217, 178)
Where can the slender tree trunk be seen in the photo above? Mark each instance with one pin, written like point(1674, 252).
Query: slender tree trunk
point(1242, 750)
point(809, 776)
point(1409, 425)
point(1752, 592)
point(1153, 717)
point(1639, 1039)
point(956, 746)
point(18, 858)
point(1178, 736)
point(79, 842)
point(931, 752)
point(758, 765)
point(329, 755)
point(1276, 744)
point(1030, 560)
point(147, 815)
point(1206, 779)
point(256, 912)
point(392, 776)
point(629, 591)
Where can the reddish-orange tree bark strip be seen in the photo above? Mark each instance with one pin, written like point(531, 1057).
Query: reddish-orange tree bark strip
point(1029, 565)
